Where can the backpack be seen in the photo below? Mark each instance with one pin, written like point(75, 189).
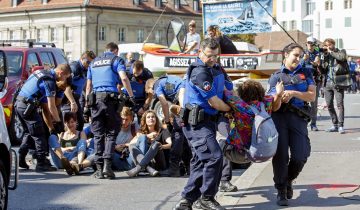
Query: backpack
point(264, 138)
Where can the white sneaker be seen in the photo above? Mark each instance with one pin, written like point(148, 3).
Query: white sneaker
point(341, 130)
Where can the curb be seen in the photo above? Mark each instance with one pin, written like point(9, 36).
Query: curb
point(243, 182)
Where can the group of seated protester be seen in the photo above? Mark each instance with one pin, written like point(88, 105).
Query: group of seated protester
point(143, 147)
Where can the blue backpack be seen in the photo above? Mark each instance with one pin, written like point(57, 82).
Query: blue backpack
point(264, 138)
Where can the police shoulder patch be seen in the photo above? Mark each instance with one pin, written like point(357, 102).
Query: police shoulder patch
point(206, 85)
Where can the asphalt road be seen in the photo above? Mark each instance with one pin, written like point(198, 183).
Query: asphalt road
point(56, 190)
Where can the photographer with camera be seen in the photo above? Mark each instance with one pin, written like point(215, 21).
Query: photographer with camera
point(311, 61)
point(337, 79)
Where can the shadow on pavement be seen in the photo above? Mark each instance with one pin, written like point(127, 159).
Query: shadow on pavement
point(309, 197)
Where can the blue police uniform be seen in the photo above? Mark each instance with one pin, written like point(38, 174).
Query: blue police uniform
point(202, 83)
point(40, 85)
point(104, 74)
point(168, 86)
point(138, 87)
point(292, 128)
point(79, 73)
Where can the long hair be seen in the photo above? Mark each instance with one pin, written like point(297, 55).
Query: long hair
point(143, 127)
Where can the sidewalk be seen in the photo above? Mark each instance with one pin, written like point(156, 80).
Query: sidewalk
point(332, 168)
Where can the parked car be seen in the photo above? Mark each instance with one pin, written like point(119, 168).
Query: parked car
point(21, 60)
point(8, 156)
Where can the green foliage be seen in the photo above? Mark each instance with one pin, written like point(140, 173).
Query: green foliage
point(250, 38)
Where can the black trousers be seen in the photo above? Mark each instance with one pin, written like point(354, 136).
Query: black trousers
point(293, 134)
point(105, 126)
point(34, 131)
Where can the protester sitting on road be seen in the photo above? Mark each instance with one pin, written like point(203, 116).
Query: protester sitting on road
point(151, 142)
point(122, 160)
point(70, 145)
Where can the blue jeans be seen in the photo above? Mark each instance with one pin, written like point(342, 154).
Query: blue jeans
point(122, 164)
point(55, 144)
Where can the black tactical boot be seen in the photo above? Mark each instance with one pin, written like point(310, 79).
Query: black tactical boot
point(183, 204)
point(152, 171)
point(210, 203)
point(174, 169)
point(281, 198)
point(44, 164)
point(289, 190)
point(133, 172)
point(108, 172)
point(22, 161)
point(98, 174)
point(226, 186)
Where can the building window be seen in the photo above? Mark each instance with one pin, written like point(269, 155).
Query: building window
point(177, 4)
point(307, 26)
point(121, 35)
point(158, 37)
point(68, 34)
point(102, 33)
point(158, 3)
point(68, 55)
point(284, 24)
point(11, 35)
point(196, 5)
point(293, 25)
point(140, 35)
point(292, 5)
point(347, 21)
point(284, 6)
point(25, 35)
point(339, 43)
point(347, 4)
point(53, 34)
point(328, 5)
point(310, 7)
point(328, 23)
point(39, 35)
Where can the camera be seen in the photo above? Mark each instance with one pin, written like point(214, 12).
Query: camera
point(323, 50)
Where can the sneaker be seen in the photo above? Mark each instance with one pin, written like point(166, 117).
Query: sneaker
point(226, 186)
point(210, 203)
point(183, 204)
point(332, 129)
point(314, 128)
point(341, 130)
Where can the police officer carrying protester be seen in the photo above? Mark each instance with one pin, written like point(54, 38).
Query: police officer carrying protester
point(41, 84)
point(138, 76)
point(203, 100)
point(311, 61)
point(102, 98)
point(291, 118)
point(79, 72)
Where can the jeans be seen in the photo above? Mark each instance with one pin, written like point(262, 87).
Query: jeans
point(330, 91)
point(314, 105)
point(54, 144)
point(122, 164)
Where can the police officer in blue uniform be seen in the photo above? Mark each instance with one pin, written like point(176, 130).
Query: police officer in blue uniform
point(40, 85)
point(103, 79)
point(203, 99)
point(291, 117)
point(311, 61)
point(138, 76)
point(79, 71)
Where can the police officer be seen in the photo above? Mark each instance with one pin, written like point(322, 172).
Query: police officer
point(138, 77)
point(79, 71)
point(39, 85)
point(203, 98)
point(312, 61)
point(290, 120)
point(102, 79)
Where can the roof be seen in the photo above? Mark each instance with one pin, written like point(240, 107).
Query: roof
point(146, 6)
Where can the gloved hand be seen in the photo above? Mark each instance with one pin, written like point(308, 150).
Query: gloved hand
point(86, 114)
point(132, 101)
point(169, 126)
point(59, 127)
